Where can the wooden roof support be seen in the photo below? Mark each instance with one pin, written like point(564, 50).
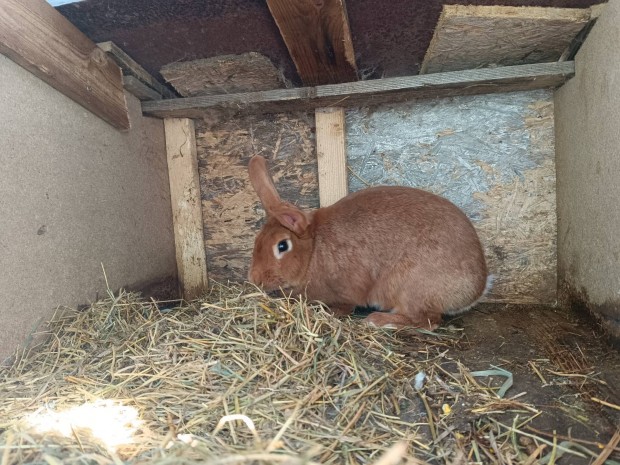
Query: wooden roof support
point(318, 38)
point(372, 92)
point(132, 69)
point(37, 37)
point(139, 89)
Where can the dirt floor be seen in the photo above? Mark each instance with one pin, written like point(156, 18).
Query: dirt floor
point(560, 363)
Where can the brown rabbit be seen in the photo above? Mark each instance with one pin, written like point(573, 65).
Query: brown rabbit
point(411, 254)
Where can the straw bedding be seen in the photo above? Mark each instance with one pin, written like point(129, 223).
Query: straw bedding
point(239, 377)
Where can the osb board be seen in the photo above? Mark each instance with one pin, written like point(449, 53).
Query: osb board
point(226, 74)
point(470, 36)
point(232, 213)
point(493, 156)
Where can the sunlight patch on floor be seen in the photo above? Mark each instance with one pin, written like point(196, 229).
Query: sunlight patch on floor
point(107, 421)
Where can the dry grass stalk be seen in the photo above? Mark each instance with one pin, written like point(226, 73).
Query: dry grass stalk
point(243, 378)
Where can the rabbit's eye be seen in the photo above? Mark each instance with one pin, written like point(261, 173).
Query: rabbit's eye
point(282, 247)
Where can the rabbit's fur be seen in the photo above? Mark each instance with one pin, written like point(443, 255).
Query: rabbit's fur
point(410, 253)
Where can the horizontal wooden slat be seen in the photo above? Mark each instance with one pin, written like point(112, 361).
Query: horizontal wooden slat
point(37, 37)
point(139, 89)
point(131, 68)
point(372, 92)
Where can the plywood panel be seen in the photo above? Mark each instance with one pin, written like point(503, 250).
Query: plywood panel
point(75, 194)
point(225, 74)
point(587, 132)
point(491, 155)
point(232, 213)
point(468, 37)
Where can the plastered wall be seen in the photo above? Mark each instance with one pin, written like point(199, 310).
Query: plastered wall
point(75, 194)
point(587, 115)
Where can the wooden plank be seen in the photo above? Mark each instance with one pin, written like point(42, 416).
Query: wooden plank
point(186, 206)
point(139, 89)
point(472, 36)
point(331, 156)
point(367, 93)
point(40, 39)
point(318, 39)
point(224, 74)
point(131, 67)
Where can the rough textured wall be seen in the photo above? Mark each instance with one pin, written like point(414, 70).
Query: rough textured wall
point(587, 113)
point(232, 213)
point(75, 194)
point(493, 156)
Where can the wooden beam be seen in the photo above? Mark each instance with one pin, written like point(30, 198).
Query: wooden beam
point(139, 89)
point(331, 156)
point(366, 93)
point(186, 206)
point(37, 37)
point(131, 68)
point(318, 39)
point(476, 36)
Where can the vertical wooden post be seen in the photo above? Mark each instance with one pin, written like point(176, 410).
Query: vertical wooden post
point(186, 206)
point(331, 156)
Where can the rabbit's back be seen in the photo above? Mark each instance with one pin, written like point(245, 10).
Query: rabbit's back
point(375, 241)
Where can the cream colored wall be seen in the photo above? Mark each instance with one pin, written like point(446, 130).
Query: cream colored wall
point(74, 194)
point(587, 116)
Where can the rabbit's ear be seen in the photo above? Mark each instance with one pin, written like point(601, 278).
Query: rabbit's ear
point(289, 216)
point(263, 184)
point(292, 218)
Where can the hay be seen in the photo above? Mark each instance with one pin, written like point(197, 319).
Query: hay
point(243, 378)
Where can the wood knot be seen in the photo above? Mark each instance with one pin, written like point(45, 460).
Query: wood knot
point(98, 57)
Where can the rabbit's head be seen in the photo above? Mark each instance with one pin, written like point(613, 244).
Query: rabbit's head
point(283, 247)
